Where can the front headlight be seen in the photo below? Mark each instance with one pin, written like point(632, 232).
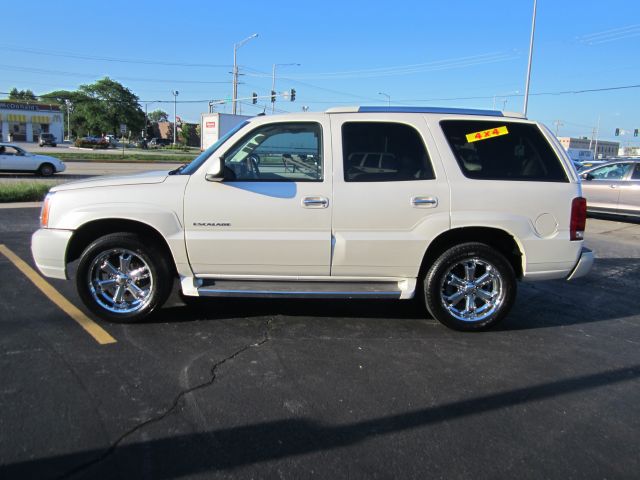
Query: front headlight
point(44, 213)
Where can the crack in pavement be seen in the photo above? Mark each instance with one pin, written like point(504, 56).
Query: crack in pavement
point(112, 448)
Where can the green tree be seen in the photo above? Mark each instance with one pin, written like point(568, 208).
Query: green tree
point(107, 104)
point(24, 95)
point(185, 134)
point(158, 116)
point(68, 101)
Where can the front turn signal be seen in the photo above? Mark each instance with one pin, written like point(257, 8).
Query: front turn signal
point(44, 213)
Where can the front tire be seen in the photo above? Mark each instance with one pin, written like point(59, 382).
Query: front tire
point(46, 170)
point(470, 287)
point(123, 278)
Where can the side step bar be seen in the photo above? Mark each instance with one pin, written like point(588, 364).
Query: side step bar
point(277, 289)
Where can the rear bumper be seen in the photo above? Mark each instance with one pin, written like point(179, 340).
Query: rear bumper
point(585, 262)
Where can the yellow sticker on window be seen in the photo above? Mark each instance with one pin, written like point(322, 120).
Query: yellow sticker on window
point(492, 132)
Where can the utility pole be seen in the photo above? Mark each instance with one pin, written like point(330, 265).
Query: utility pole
point(236, 46)
point(596, 131)
point(533, 30)
point(273, 79)
point(558, 124)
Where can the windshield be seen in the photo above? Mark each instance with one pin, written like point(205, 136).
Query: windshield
point(200, 159)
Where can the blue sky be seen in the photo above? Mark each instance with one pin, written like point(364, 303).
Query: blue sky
point(457, 53)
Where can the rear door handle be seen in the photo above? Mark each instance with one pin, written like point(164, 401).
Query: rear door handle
point(315, 202)
point(424, 202)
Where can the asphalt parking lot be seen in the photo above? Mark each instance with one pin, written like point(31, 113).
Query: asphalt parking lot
point(339, 389)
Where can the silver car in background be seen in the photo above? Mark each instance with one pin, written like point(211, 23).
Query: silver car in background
point(613, 188)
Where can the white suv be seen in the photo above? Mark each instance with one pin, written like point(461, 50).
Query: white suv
point(455, 206)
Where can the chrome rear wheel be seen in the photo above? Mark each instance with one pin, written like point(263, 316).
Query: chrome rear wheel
point(470, 286)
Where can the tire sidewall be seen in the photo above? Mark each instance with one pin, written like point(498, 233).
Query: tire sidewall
point(454, 255)
point(157, 265)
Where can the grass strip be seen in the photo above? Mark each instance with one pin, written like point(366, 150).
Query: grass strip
point(24, 191)
point(128, 157)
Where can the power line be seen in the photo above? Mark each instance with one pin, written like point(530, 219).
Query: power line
point(130, 79)
point(50, 53)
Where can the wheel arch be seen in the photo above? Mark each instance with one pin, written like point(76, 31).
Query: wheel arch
point(502, 241)
point(88, 232)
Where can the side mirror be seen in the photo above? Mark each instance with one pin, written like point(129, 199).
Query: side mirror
point(215, 172)
point(587, 176)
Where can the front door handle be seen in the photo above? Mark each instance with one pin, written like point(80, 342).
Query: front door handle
point(424, 202)
point(315, 202)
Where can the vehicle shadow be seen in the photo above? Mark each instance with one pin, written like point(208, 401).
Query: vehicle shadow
point(237, 446)
point(615, 218)
point(593, 298)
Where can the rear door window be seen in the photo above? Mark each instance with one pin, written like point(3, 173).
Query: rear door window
point(499, 150)
point(384, 152)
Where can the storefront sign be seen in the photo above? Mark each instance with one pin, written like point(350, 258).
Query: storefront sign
point(27, 106)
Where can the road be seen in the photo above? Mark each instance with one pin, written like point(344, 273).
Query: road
point(79, 170)
point(325, 389)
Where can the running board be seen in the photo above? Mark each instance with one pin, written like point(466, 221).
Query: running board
point(299, 289)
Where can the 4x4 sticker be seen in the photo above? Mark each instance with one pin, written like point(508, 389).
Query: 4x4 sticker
point(492, 132)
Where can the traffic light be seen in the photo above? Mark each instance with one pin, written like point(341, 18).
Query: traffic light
point(254, 98)
point(273, 96)
point(292, 94)
point(635, 132)
point(617, 132)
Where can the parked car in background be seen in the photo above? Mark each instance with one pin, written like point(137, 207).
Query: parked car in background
point(15, 159)
point(613, 188)
point(159, 142)
point(47, 139)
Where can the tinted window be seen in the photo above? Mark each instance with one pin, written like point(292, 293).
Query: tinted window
point(383, 152)
point(502, 151)
point(279, 152)
point(636, 172)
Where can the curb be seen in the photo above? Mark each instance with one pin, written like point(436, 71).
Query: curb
point(7, 205)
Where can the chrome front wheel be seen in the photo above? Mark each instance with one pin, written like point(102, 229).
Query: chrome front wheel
point(120, 281)
point(123, 277)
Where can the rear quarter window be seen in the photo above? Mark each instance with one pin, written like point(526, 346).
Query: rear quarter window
point(498, 150)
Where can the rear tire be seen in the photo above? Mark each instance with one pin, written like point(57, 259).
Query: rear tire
point(122, 277)
point(470, 287)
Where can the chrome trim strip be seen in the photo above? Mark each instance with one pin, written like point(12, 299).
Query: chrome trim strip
point(211, 292)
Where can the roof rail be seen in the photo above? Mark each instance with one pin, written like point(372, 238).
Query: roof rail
point(443, 110)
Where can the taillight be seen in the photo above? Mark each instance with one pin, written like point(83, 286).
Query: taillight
point(578, 218)
point(44, 214)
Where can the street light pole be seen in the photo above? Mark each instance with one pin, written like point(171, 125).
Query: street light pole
point(236, 46)
point(69, 106)
point(273, 80)
point(533, 31)
point(386, 95)
point(175, 115)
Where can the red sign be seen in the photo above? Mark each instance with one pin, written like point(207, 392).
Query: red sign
point(210, 124)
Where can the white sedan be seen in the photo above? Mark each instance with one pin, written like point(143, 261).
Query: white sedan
point(16, 159)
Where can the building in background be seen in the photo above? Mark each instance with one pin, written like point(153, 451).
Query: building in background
point(24, 121)
point(165, 130)
point(606, 149)
point(629, 152)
